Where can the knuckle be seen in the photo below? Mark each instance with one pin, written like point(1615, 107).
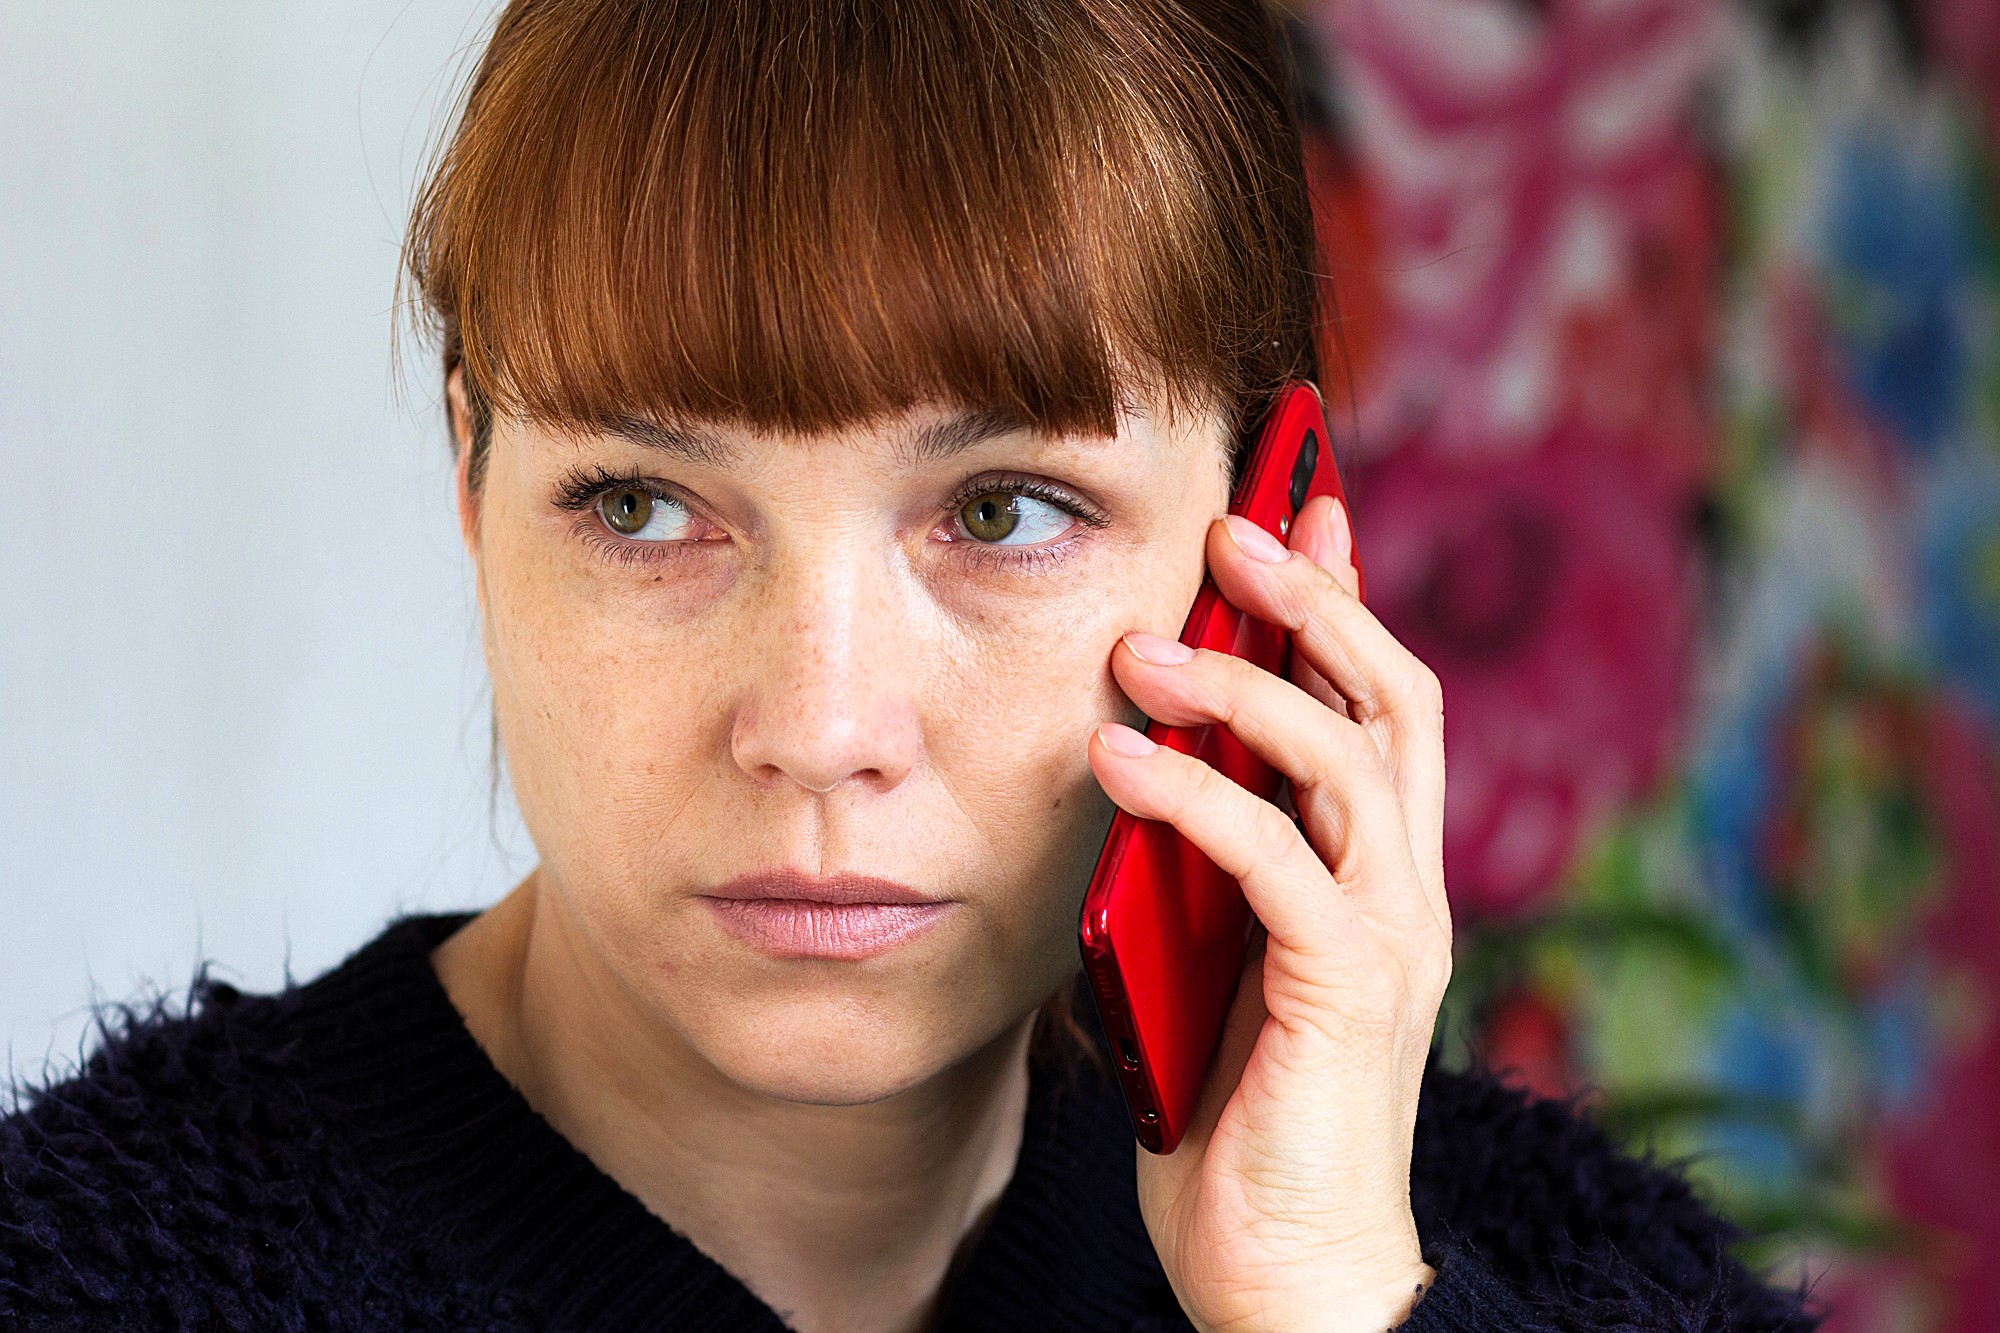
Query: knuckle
point(1354, 751)
point(1275, 837)
point(1201, 794)
point(1209, 786)
point(1407, 687)
point(1252, 836)
point(1188, 792)
point(1430, 968)
point(1427, 690)
point(1222, 682)
point(1301, 595)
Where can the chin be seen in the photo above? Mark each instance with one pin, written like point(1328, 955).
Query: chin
point(831, 1050)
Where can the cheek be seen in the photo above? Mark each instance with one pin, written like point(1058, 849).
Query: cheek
point(600, 698)
point(1009, 741)
point(1023, 688)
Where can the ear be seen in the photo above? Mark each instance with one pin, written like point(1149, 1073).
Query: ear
point(461, 438)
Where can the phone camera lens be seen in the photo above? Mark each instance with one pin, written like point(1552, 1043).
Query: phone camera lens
point(1303, 469)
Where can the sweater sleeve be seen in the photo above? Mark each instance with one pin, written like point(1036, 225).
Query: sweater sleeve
point(132, 1194)
point(176, 1182)
point(1536, 1222)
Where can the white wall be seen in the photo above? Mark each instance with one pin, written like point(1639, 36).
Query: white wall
point(242, 714)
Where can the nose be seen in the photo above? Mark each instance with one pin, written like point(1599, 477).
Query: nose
point(829, 667)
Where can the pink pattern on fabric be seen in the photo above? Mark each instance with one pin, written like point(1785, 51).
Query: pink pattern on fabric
point(1517, 163)
point(1554, 594)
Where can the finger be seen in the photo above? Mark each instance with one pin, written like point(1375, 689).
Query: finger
point(1331, 630)
point(1339, 781)
point(1288, 887)
point(1321, 535)
point(1391, 694)
point(1323, 532)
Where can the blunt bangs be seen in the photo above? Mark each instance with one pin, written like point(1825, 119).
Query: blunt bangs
point(803, 215)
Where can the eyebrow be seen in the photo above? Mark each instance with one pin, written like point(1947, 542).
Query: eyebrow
point(938, 442)
point(944, 440)
point(686, 443)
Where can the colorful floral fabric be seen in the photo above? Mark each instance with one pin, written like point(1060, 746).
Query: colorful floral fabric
point(1678, 456)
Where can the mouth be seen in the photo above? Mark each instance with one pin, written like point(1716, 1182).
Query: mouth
point(787, 914)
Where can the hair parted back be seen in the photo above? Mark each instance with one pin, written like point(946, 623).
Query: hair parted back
point(801, 216)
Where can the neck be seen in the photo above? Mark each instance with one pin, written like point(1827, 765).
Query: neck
point(839, 1217)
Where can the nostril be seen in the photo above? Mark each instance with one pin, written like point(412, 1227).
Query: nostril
point(820, 739)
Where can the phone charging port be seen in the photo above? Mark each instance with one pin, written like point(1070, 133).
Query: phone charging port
point(1128, 1054)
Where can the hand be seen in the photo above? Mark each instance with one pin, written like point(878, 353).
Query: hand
point(1287, 1204)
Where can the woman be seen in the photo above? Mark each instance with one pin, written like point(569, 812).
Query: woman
point(845, 399)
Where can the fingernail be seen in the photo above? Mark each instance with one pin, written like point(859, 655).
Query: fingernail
point(1160, 652)
point(1343, 533)
point(1121, 739)
point(1254, 542)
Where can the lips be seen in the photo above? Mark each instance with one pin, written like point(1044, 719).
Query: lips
point(788, 914)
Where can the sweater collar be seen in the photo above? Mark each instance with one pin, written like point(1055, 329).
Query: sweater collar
point(458, 1148)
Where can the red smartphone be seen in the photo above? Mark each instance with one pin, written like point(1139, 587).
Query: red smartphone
point(1164, 930)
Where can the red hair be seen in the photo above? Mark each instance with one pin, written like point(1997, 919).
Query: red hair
point(802, 215)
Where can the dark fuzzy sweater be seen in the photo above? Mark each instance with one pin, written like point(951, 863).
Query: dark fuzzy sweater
point(343, 1156)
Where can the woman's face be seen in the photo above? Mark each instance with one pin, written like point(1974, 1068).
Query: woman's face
point(732, 670)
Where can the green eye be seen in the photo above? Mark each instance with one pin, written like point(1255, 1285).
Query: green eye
point(990, 517)
point(642, 515)
point(1010, 518)
point(627, 510)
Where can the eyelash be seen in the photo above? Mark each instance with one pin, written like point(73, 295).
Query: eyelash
point(578, 492)
point(580, 489)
